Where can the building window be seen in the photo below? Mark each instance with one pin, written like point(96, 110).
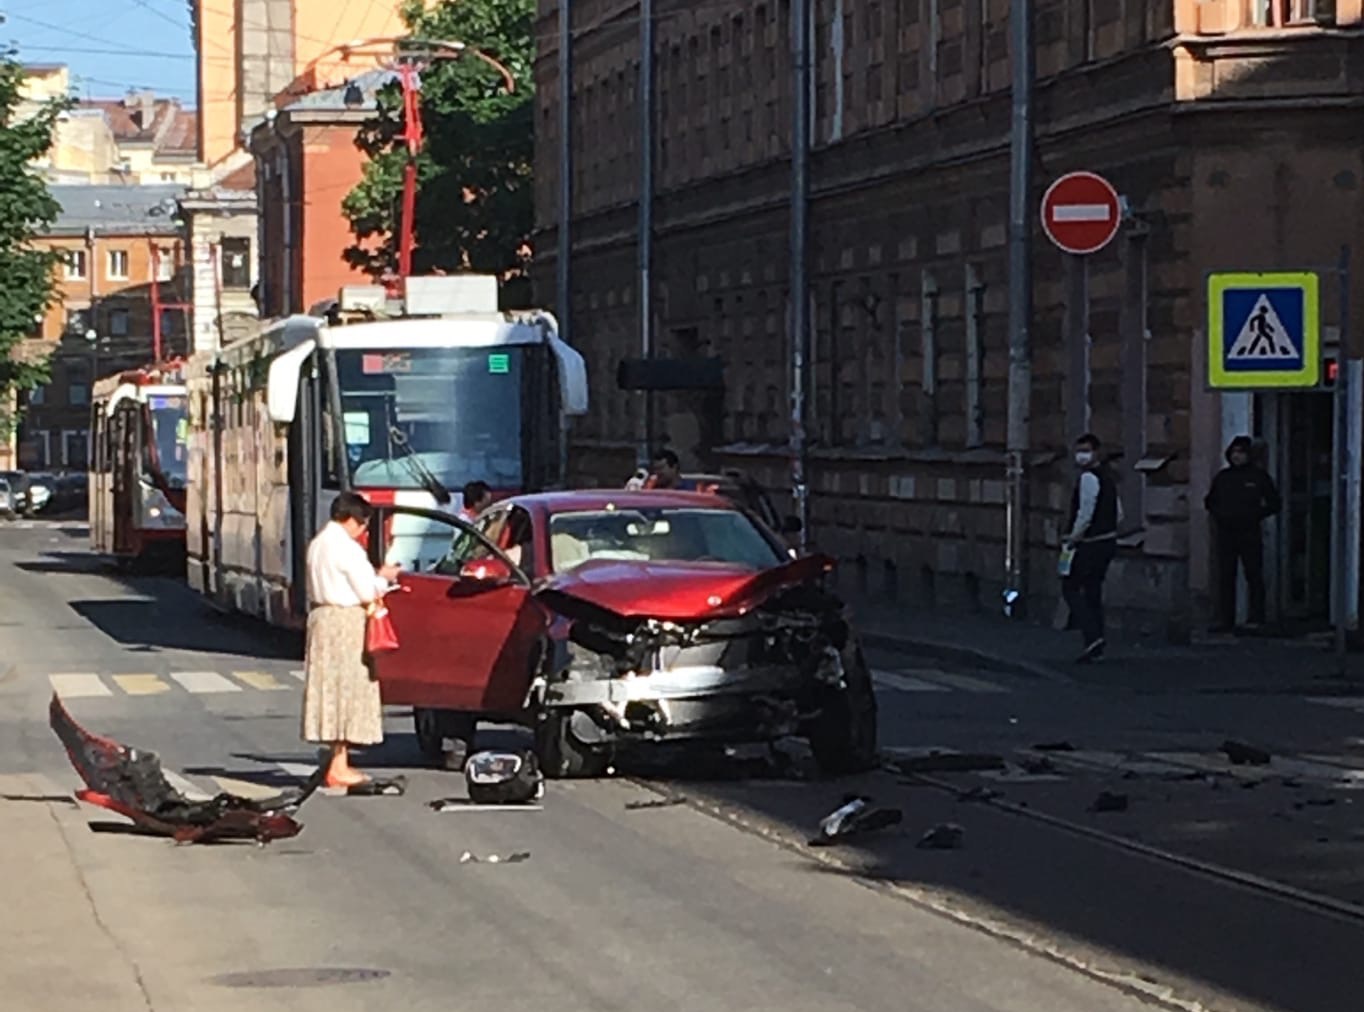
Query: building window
point(236, 263)
point(78, 392)
point(37, 395)
point(118, 264)
point(1282, 13)
point(74, 449)
point(165, 264)
point(77, 321)
point(168, 177)
point(76, 264)
point(118, 323)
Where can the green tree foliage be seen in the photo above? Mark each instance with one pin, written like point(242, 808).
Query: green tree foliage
point(27, 271)
point(474, 199)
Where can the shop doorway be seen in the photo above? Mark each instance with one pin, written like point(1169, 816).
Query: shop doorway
point(1297, 430)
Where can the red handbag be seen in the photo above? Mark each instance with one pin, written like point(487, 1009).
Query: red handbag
point(380, 636)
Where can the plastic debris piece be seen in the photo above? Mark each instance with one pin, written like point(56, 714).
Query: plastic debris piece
point(943, 836)
point(1242, 754)
point(1108, 801)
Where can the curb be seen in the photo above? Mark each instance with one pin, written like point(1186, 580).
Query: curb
point(956, 653)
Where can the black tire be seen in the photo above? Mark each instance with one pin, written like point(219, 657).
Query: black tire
point(843, 737)
point(433, 727)
point(562, 756)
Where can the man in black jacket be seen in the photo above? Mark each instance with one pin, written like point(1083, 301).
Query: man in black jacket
point(1241, 497)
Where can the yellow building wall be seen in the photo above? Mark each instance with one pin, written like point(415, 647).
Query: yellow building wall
point(217, 23)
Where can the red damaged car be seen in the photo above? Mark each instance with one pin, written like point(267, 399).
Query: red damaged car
point(612, 619)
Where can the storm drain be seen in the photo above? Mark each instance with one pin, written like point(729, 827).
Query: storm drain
point(323, 976)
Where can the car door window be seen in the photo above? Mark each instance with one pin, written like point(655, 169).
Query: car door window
point(466, 548)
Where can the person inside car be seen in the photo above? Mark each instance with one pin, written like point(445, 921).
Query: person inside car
point(665, 471)
point(477, 497)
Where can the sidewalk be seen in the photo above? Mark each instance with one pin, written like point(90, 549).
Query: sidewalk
point(1213, 664)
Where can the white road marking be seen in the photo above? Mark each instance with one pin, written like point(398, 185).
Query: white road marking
point(300, 675)
point(964, 682)
point(891, 680)
point(185, 786)
point(1355, 703)
point(245, 788)
point(301, 770)
point(78, 686)
point(200, 682)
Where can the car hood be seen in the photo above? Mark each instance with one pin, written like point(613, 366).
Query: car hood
point(605, 589)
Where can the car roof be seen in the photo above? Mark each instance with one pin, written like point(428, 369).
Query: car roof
point(600, 499)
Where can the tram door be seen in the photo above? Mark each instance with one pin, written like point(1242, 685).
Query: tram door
point(1298, 429)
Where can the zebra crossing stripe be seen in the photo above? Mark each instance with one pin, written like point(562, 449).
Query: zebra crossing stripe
point(300, 675)
point(204, 682)
point(78, 686)
point(141, 685)
point(261, 680)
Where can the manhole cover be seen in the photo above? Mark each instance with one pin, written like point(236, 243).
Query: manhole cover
point(300, 977)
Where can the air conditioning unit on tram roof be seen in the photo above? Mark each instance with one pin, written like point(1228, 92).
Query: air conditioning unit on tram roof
point(450, 295)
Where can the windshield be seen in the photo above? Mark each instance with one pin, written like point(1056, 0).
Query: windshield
point(681, 534)
point(449, 413)
point(170, 432)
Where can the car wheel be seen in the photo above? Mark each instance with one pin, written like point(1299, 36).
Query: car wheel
point(434, 727)
point(843, 736)
point(562, 756)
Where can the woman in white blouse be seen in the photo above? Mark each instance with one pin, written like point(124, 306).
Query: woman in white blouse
point(341, 705)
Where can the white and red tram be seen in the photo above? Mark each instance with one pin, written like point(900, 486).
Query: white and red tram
point(405, 409)
point(139, 430)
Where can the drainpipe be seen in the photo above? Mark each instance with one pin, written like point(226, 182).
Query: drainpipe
point(563, 279)
point(646, 209)
point(799, 299)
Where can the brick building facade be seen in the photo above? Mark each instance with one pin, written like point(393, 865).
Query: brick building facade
point(102, 317)
point(1227, 126)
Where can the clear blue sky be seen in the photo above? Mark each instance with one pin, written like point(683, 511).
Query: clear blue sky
point(110, 45)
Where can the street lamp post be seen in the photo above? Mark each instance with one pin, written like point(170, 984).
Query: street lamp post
point(1020, 312)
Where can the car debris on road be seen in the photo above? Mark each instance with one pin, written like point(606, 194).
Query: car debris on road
point(854, 818)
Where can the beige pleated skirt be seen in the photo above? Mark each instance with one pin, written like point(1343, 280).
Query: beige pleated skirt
point(340, 698)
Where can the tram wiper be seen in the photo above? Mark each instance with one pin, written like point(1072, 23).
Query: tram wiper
point(418, 470)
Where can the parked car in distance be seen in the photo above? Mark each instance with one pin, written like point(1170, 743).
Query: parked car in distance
point(610, 620)
point(18, 485)
point(6, 500)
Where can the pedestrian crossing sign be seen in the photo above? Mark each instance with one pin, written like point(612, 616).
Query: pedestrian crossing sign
point(1264, 331)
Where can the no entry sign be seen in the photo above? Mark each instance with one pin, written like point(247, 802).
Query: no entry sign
point(1081, 213)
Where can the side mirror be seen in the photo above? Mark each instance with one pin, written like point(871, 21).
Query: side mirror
point(490, 571)
point(791, 525)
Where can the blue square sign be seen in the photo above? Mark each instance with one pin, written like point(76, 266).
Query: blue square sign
point(1263, 331)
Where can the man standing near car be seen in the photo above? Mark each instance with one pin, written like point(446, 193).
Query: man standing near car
point(1095, 513)
point(1242, 497)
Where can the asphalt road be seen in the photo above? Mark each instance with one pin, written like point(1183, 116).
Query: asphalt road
point(714, 903)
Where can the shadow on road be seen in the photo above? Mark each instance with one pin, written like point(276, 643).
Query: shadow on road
point(186, 626)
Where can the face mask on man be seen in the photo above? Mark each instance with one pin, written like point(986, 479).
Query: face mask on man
point(1084, 458)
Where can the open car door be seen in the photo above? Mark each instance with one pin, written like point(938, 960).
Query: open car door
point(468, 629)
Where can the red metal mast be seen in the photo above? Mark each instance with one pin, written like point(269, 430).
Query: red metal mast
point(412, 135)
